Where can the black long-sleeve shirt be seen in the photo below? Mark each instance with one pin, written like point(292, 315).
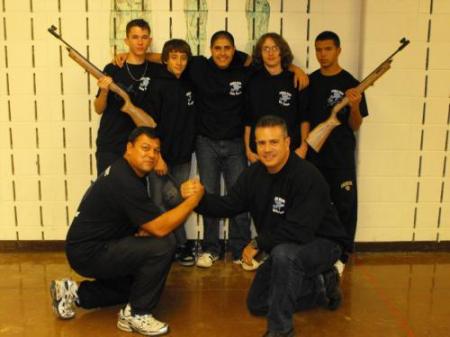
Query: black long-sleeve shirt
point(173, 108)
point(292, 205)
point(220, 96)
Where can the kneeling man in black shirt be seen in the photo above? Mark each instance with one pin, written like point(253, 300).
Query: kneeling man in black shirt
point(121, 240)
point(296, 224)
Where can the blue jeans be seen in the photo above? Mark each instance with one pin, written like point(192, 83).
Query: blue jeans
point(227, 157)
point(179, 173)
point(288, 281)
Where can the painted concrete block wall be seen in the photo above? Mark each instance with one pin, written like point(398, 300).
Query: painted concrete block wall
point(48, 125)
point(403, 148)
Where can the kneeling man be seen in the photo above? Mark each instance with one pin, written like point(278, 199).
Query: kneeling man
point(121, 240)
point(297, 227)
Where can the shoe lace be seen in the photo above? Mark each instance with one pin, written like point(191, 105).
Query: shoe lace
point(69, 297)
point(148, 322)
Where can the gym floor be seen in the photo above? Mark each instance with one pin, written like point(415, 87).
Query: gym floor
point(385, 294)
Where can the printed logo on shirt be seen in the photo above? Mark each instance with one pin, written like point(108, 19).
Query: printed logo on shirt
point(284, 98)
point(347, 185)
point(335, 96)
point(278, 205)
point(190, 100)
point(235, 88)
point(106, 172)
point(144, 83)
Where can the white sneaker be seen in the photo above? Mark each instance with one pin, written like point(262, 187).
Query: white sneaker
point(340, 267)
point(144, 324)
point(64, 295)
point(206, 260)
point(255, 264)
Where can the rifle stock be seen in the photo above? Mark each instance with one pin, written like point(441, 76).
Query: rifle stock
point(317, 137)
point(139, 117)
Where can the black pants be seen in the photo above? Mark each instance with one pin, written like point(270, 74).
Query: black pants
point(344, 195)
point(132, 269)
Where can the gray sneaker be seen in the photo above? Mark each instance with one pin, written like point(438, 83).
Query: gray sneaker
point(64, 295)
point(144, 324)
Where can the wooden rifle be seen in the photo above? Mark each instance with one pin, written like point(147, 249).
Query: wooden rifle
point(317, 137)
point(139, 116)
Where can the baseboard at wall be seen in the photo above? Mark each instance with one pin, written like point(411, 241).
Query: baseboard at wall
point(33, 245)
point(402, 246)
point(416, 246)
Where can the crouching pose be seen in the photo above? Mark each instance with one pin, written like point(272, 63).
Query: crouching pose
point(121, 240)
point(296, 224)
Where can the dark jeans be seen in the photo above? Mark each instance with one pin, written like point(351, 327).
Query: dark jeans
point(344, 195)
point(158, 184)
point(132, 269)
point(104, 159)
point(227, 157)
point(288, 281)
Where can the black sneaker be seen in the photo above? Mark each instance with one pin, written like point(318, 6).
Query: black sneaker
point(185, 256)
point(333, 294)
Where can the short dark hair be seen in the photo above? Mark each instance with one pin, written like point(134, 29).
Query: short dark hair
point(271, 121)
point(329, 35)
point(222, 34)
point(175, 45)
point(285, 50)
point(138, 23)
point(142, 130)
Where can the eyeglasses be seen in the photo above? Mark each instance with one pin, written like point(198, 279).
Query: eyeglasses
point(268, 49)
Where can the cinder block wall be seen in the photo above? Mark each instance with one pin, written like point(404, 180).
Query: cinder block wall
point(48, 125)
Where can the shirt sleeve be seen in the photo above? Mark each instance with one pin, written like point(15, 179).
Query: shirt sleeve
point(248, 119)
point(108, 70)
point(196, 66)
point(138, 207)
point(302, 105)
point(153, 103)
point(232, 204)
point(363, 106)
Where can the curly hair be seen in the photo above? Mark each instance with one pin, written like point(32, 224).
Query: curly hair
point(285, 50)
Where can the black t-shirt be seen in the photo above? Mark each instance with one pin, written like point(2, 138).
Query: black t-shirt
point(173, 108)
point(220, 96)
point(115, 125)
point(275, 95)
point(322, 94)
point(113, 207)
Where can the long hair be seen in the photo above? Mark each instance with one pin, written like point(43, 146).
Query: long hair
point(285, 50)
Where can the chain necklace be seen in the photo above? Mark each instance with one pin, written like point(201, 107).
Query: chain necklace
point(131, 75)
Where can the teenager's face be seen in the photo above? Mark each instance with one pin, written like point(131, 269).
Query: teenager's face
point(222, 52)
point(272, 146)
point(327, 53)
point(138, 40)
point(143, 154)
point(176, 62)
point(270, 53)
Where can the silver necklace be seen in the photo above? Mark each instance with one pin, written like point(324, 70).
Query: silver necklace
point(131, 75)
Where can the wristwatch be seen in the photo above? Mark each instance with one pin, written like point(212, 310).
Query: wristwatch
point(253, 243)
